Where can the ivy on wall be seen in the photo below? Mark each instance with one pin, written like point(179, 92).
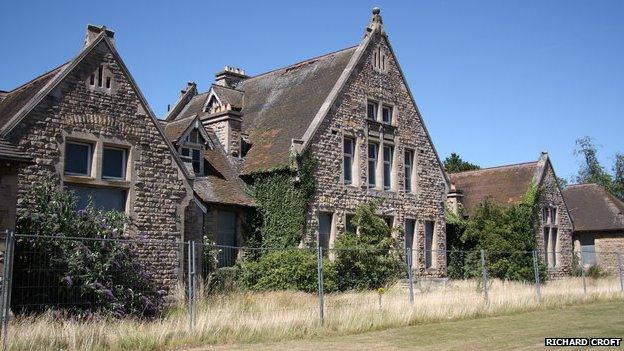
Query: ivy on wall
point(282, 199)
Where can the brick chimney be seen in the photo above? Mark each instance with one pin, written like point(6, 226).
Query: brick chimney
point(230, 76)
point(93, 31)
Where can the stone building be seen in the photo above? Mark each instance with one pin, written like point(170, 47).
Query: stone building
point(353, 112)
point(506, 186)
point(598, 225)
point(87, 124)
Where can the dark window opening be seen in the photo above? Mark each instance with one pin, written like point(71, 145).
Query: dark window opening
point(386, 114)
point(92, 79)
point(226, 236)
point(350, 226)
point(100, 76)
point(387, 167)
point(372, 165)
point(114, 163)
point(78, 158)
point(348, 160)
point(409, 157)
point(197, 160)
point(371, 111)
point(108, 82)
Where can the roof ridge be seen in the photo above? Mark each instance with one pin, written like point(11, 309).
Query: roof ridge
point(300, 62)
point(582, 184)
point(496, 167)
point(224, 87)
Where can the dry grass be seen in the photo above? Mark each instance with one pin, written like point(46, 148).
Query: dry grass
point(287, 315)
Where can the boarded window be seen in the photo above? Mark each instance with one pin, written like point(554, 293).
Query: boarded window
point(106, 199)
point(429, 248)
point(325, 226)
point(226, 236)
point(588, 250)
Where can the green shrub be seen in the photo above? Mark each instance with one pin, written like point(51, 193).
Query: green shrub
point(81, 277)
point(595, 271)
point(371, 258)
point(222, 280)
point(287, 270)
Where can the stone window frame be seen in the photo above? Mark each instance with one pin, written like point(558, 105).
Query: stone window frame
point(102, 79)
point(90, 165)
point(380, 105)
point(95, 179)
point(551, 235)
point(379, 59)
point(391, 164)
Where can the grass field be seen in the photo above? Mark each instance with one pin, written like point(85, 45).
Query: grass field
point(519, 331)
point(277, 316)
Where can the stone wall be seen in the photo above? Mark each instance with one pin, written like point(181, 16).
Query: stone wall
point(607, 245)
point(156, 188)
point(348, 118)
point(550, 195)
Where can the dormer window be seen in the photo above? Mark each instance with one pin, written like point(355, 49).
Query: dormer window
point(192, 150)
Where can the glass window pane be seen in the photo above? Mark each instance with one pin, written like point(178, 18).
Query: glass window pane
point(114, 163)
point(196, 160)
point(387, 114)
point(372, 164)
point(347, 170)
point(429, 226)
point(106, 199)
point(78, 158)
point(372, 111)
point(186, 152)
point(349, 225)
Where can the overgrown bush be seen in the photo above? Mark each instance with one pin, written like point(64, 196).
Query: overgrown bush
point(371, 258)
point(81, 277)
point(506, 234)
point(287, 270)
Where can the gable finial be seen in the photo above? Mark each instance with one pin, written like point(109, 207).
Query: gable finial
point(376, 22)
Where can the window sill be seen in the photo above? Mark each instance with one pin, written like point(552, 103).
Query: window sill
point(86, 180)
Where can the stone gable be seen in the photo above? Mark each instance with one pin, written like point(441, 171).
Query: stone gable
point(157, 191)
point(347, 118)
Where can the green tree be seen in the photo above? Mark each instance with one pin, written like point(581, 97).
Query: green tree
point(370, 258)
point(454, 164)
point(591, 171)
point(618, 176)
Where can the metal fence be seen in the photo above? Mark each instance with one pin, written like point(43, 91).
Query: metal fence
point(140, 277)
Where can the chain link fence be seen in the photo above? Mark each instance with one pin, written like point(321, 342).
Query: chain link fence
point(204, 283)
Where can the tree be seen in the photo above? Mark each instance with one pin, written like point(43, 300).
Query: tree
point(618, 176)
point(591, 171)
point(454, 164)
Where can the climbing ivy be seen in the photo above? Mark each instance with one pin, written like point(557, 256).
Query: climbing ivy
point(282, 199)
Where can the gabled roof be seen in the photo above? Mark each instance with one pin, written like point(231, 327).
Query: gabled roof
point(15, 99)
point(280, 105)
point(175, 129)
point(503, 185)
point(43, 85)
point(593, 208)
point(227, 95)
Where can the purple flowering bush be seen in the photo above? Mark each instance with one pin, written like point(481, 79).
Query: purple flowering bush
point(97, 275)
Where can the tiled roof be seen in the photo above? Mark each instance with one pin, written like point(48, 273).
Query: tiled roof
point(222, 184)
point(504, 185)
point(174, 129)
point(593, 208)
point(15, 99)
point(280, 105)
point(10, 152)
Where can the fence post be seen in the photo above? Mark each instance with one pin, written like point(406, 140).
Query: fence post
point(410, 274)
point(583, 276)
point(484, 274)
point(537, 277)
point(619, 263)
point(189, 281)
point(319, 266)
point(6, 286)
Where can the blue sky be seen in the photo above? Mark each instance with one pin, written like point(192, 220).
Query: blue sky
point(496, 81)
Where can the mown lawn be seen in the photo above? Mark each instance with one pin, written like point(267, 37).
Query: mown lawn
point(523, 331)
